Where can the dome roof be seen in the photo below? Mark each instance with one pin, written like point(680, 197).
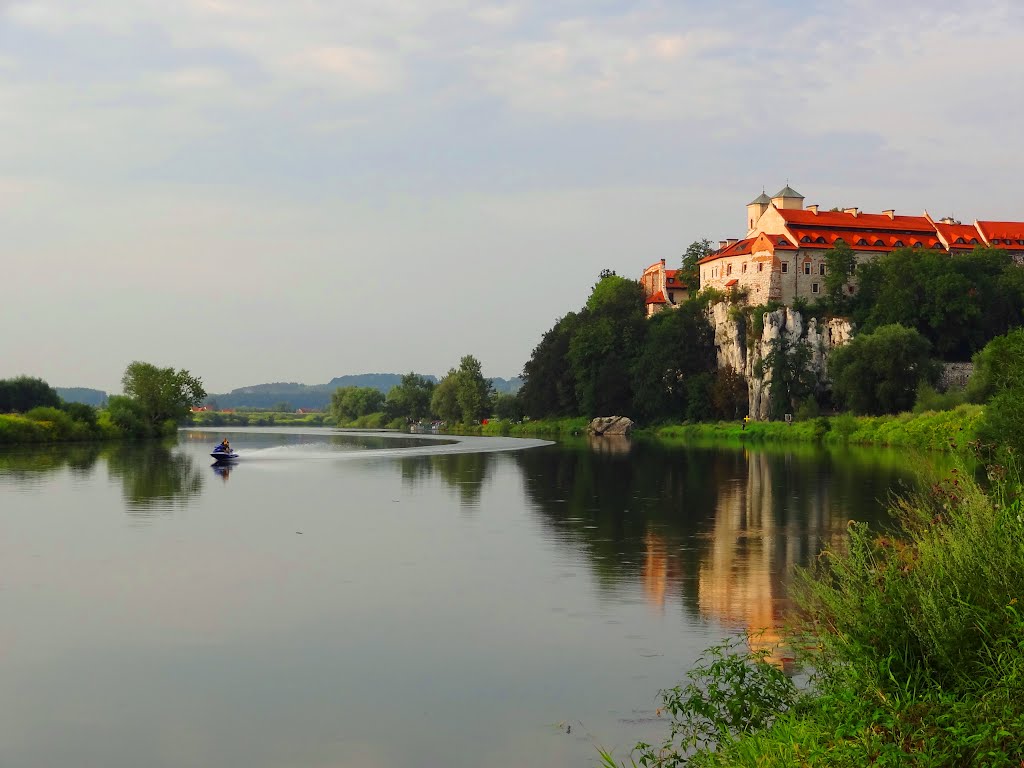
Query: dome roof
point(788, 191)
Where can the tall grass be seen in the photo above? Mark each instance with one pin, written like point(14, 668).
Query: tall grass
point(915, 639)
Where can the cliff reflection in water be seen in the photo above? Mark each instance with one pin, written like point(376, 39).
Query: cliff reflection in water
point(717, 531)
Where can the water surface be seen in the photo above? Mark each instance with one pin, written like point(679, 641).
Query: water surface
point(374, 600)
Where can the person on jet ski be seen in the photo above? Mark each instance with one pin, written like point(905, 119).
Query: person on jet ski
point(224, 447)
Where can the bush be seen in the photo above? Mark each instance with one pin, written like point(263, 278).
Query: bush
point(928, 399)
point(880, 372)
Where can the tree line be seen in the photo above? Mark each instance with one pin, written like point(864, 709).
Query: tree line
point(154, 402)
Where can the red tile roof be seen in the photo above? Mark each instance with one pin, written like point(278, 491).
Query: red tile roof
point(837, 219)
point(731, 283)
point(826, 238)
point(998, 232)
point(657, 298)
point(739, 248)
point(950, 233)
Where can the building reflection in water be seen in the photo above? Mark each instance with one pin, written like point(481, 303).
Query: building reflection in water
point(716, 531)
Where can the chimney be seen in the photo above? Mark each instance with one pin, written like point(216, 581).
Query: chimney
point(813, 209)
point(722, 244)
point(663, 263)
point(890, 212)
point(852, 211)
point(732, 240)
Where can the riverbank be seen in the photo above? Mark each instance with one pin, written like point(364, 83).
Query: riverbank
point(915, 642)
point(933, 430)
point(50, 425)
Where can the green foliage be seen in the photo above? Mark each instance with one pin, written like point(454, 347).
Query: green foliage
point(957, 303)
point(473, 392)
point(549, 385)
point(129, 416)
point(879, 372)
point(840, 261)
point(24, 393)
point(410, 399)
point(688, 271)
point(444, 403)
point(609, 333)
point(914, 640)
point(792, 380)
point(161, 394)
point(667, 380)
point(507, 407)
point(351, 403)
point(998, 366)
point(928, 399)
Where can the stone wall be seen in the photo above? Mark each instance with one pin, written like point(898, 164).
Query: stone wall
point(733, 350)
point(954, 376)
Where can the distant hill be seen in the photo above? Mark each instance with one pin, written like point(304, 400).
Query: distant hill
point(85, 395)
point(319, 395)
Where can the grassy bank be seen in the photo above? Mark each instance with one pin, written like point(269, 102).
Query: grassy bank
point(51, 425)
point(938, 431)
point(546, 428)
point(915, 639)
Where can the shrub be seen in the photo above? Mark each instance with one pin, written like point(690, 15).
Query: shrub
point(928, 399)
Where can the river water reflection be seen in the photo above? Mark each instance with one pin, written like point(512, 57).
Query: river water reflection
point(371, 600)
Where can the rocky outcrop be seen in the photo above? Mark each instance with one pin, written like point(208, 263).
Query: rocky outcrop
point(737, 350)
point(611, 426)
point(954, 376)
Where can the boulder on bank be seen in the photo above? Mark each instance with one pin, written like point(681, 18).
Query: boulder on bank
point(611, 425)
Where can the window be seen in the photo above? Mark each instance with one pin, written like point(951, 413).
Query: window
point(783, 241)
point(814, 287)
point(671, 279)
point(918, 244)
point(805, 239)
point(785, 267)
point(807, 267)
point(974, 241)
point(879, 243)
point(728, 269)
point(821, 269)
point(898, 244)
point(743, 269)
point(819, 239)
point(960, 241)
point(760, 267)
point(862, 241)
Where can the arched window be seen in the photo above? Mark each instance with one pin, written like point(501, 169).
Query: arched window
point(783, 241)
point(878, 243)
point(805, 239)
point(898, 244)
point(937, 246)
point(974, 241)
point(918, 244)
point(862, 241)
point(960, 241)
point(819, 239)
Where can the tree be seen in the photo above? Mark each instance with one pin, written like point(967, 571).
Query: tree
point(997, 367)
point(410, 399)
point(507, 406)
point(549, 385)
point(679, 346)
point(840, 262)
point(609, 335)
point(350, 403)
point(162, 394)
point(879, 372)
point(444, 403)
point(689, 273)
point(473, 391)
point(24, 393)
point(792, 380)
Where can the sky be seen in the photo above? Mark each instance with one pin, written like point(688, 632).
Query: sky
point(258, 191)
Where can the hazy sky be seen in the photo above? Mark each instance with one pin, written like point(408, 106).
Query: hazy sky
point(270, 190)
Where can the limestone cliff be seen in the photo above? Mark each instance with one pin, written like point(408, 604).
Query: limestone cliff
point(737, 350)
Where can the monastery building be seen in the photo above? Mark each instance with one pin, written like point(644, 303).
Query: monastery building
point(782, 256)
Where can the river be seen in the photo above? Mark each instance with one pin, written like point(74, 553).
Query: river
point(376, 600)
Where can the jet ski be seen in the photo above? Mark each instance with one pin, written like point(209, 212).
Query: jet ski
point(222, 456)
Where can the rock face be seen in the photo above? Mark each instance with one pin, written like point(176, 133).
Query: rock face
point(611, 425)
point(954, 376)
point(743, 354)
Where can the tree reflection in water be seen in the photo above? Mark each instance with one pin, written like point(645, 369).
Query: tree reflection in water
point(465, 473)
point(153, 477)
point(716, 530)
point(23, 463)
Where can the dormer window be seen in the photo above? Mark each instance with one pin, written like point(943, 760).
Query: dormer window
point(879, 244)
point(819, 239)
point(961, 241)
point(862, 241)
point(918, 244)
point(898, 244)
point(937, 246)
point(974, 241)
point(671, 279)
point(805, 239)
point(783, 241)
